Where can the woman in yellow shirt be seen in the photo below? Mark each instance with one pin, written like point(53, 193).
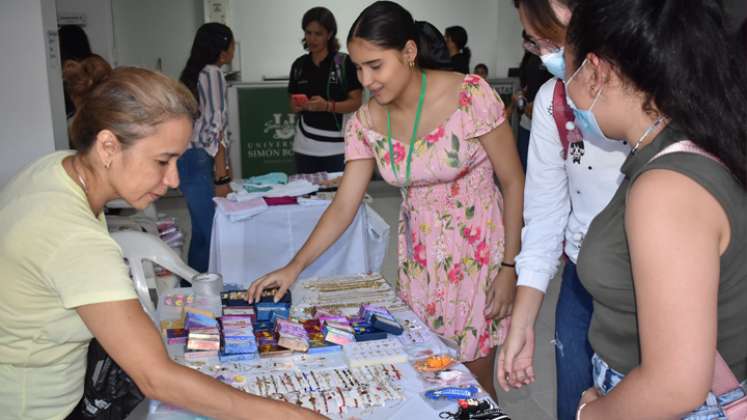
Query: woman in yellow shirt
point(62, 277)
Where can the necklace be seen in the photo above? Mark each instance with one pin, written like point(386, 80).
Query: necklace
point(648, 131)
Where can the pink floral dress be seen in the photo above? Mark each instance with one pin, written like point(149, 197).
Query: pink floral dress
point(451, 235)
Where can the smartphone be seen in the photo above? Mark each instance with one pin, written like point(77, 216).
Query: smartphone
point(299, 99)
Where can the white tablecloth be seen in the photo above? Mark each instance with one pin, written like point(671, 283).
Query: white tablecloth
point(243, 251)
point(412, 407)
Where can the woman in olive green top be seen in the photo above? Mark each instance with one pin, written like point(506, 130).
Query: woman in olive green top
point(664, 261)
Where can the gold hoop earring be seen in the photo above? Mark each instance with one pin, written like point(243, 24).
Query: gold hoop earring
point(412, 64)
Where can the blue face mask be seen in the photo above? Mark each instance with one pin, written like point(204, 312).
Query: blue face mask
point(585, 119)
point(555, 63)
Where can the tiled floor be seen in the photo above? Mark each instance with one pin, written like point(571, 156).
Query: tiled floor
point(535, 402)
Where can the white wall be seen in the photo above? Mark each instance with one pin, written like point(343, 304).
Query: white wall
point(31, 86)
point(146, 30)
point(98, 23)
point(270, 31)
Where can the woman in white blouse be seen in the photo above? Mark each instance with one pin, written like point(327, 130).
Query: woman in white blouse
point(203, 168)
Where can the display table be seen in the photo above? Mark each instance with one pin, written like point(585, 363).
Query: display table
point(245, 250)
point(417, 340)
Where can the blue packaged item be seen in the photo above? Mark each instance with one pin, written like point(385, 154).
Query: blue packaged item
point(234, 345)
point(370, 335)
point(195, 320)
point(241, 357)
point(265, 310)
point(452, 393)
point(386, 324)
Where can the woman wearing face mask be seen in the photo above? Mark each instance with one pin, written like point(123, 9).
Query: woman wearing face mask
point(327, 78)
point(571, 176)
point(664, 261)
point(441, 137)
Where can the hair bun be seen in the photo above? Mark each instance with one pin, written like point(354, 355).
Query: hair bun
point(81, 77)
point(432, 46)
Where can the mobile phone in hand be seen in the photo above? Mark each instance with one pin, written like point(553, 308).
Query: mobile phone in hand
point(299, 99)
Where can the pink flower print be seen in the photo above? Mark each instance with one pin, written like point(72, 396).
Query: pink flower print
point(436, 135)
point(420, 256)
point(472, 234)
point(455, 274)
point(430, 309)
point(482, 254)
point(399, 154)
point(454, 189)
point(465, 99)
point(484, 340)
point(440, 293)
point(473, 80)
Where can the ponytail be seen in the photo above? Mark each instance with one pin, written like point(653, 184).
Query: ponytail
point(389, 25)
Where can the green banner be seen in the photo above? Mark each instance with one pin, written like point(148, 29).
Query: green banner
point(267, 129)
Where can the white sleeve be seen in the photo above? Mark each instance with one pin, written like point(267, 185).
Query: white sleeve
point(546, 200)
point(212, 90)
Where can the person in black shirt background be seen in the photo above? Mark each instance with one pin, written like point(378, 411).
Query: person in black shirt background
point(456, 41)
point(330, 84)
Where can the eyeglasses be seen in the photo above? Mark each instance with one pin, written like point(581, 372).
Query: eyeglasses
point(539, 46)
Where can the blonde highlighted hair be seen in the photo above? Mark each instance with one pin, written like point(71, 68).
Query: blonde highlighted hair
point(130, 102)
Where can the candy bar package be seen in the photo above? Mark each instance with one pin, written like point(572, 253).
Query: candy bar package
point(383, 323)
point(266, 309)
point(292, 335)
point(367, 311)
point(363, 331)
point(268, 296)
point(176, 336)
point(194, 320)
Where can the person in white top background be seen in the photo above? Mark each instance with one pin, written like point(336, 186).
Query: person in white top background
point(567, 184)
point(203, 168)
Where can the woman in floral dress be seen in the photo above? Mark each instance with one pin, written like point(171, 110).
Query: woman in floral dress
point(457, 238)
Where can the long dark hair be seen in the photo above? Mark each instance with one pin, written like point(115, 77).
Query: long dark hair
point(459, 35)
point(543, 17)
point(324, 17)
point(74, 43)
point(681, 58)
point(389, 25)
point(211, 39)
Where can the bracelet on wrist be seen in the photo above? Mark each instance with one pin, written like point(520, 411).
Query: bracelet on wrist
point(509, 265)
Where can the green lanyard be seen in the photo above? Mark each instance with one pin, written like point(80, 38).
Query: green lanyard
point(412, 138)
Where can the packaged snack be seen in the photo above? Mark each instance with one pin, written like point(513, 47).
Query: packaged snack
point(434, 363)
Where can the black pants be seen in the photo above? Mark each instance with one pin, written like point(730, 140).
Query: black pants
point(306, 164)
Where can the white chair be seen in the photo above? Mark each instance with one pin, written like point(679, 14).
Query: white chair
point(140, 249)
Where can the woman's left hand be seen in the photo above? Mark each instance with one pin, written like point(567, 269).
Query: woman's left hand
point(317, 104)
point(501, 293)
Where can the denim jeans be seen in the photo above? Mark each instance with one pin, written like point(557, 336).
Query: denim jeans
point(196, 183)
point(606, 378)
point(572, 349)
